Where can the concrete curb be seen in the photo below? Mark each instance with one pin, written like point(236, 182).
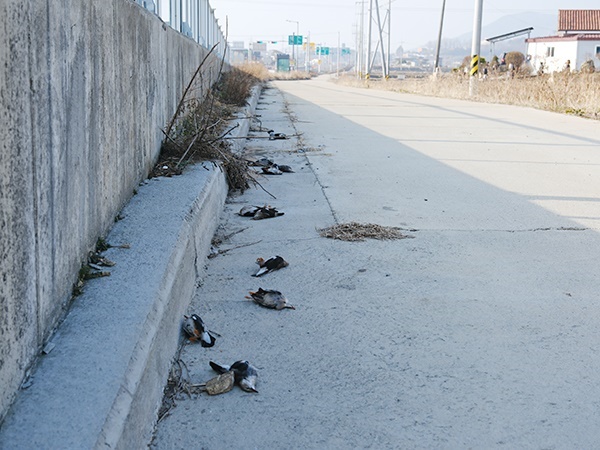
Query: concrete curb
point(102, 384)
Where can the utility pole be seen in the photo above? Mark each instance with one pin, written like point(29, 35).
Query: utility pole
point(389, 44)
point(436, 64)
point(368, 74)
point(361, 43)
point(338, 57)
point(380, 43)
point(379, 27)
point(475, 47)
point(307, 55)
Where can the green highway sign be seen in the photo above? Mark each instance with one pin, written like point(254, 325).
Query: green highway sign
point(294, 40)
point(322, 51)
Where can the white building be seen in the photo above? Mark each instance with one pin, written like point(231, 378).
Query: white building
point(577, 41)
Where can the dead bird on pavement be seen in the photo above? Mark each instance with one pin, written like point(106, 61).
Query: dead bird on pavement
point(195, 330)
point(284, 168)
point(269, 265)
point(245, 374)
point(248, 211)
point(218, 385)
point(273, 136)
point(259, 212)
point(272, 170)
point(266, 212)
point(262, 162)
point(270, 298)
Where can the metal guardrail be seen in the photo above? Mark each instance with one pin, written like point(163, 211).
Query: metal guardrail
point(193, 18)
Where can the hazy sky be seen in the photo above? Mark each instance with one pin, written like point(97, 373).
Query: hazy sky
point(412, 26)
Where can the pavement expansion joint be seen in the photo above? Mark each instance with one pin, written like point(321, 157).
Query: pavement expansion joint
point(300, 144)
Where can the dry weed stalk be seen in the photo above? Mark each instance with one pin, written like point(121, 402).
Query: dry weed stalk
point(197, 129)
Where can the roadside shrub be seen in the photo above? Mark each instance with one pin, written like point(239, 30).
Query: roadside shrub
point(515, 58)
point(576, 93)
point(588, 67)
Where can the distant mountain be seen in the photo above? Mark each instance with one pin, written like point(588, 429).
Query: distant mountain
point(453, 50)
point(543, 25)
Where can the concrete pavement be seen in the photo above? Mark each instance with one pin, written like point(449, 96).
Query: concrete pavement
point(479, 332)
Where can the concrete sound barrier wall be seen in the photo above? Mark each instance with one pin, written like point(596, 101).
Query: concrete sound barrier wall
point(85, 87)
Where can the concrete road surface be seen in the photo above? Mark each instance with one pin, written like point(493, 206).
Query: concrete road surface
point(481, 330)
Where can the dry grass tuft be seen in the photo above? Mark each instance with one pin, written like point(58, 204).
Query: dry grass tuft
point(255, 69)
point(234, 87)
point(259, 71)
point(295, 75)
point(196, 131)
point(568, 93)
point(354, 231)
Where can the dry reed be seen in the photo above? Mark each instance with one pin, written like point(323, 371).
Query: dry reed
point(569, 93)
point(197, 130)
point(259, 71)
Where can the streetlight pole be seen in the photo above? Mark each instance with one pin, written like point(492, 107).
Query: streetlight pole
point(475, 46)
point(294, 42)
point(436, 64)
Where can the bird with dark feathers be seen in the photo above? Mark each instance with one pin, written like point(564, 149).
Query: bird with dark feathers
point(195, 330)
point(270, 298)
point(248, 211)
point(245, 374)
point(272, 170)
point(284, 168)
point(273, 136)
point(260, 212)
point(266, 212)
point(269, 265)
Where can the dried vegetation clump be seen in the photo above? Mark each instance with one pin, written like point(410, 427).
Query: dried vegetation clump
point(234, 87)
point(198, 129)
point(569, 93)
point(354, 231)
point(259, 71)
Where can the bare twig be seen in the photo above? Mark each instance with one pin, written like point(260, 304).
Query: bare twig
point(260, 137)
point(188, 149)
point(222, 252)
point(170, 138)
point(254, 180)
point(181, 101)
point(224, 134)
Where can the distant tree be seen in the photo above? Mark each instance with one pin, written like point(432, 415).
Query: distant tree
point(515, 58)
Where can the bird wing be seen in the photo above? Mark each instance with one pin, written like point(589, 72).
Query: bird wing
point(207, 339)
point(218, 367)
point(261, 271)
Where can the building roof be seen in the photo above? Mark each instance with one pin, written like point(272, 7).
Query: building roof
point(578, 20)
point(567, 38)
